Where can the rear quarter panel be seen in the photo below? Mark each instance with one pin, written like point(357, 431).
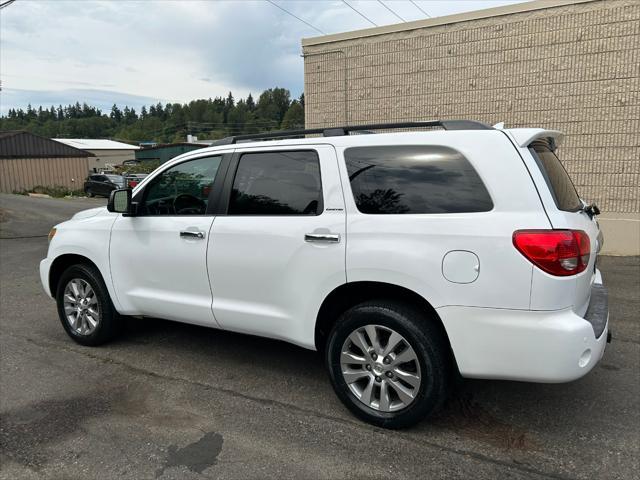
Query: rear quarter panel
point(408, 249)
point(550, 292)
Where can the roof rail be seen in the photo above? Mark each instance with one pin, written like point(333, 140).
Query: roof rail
point(342, 131)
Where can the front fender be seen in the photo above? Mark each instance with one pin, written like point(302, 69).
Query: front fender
point(89, 238)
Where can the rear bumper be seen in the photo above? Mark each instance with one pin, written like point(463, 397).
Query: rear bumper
point(534, 346)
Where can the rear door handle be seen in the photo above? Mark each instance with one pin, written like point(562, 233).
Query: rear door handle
point(190, 234)
point(322, 237)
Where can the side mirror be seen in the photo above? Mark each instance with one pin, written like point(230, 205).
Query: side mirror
point(120, 201)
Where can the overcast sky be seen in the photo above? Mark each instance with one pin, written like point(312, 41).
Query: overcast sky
point(140, 52)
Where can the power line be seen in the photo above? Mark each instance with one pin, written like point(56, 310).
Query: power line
point(6, 4)
point(366, 18)
point(418, 7)
point(401, 19)
point(295, 16)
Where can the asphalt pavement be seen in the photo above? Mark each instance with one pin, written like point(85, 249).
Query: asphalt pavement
point(168, 400)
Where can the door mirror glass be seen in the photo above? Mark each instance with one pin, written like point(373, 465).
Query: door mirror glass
point(120, 201)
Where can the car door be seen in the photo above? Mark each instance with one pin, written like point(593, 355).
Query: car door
point(97, 184)
point(105, 186)
point(278, 248)
point(94, 185)
point(158, 256)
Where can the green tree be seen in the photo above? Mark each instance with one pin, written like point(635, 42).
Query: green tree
point(294, 118)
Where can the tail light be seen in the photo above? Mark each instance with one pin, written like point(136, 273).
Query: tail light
point(558, 252)
point(132, 183)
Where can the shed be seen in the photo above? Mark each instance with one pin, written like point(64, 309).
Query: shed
point(105, 153)
point(28, 160)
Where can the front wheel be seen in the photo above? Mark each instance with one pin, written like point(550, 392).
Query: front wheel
point(89, 193)
point(388, 363)
point(85, 308)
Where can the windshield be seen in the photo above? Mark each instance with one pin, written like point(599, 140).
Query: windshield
point(115, 179)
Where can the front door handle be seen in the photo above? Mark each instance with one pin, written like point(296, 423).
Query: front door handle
point(190, 234)
point(322, 237)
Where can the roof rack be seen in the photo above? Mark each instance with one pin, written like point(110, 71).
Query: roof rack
point(342, 131)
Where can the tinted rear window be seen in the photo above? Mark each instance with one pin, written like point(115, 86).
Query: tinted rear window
point(277, 183)
point(562, 189)
point(414, 179)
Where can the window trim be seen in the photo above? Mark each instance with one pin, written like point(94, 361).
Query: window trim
point(218, 184)
point(225, 197)
point(360, 212)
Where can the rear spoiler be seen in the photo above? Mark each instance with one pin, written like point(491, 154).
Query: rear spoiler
point(525, 136)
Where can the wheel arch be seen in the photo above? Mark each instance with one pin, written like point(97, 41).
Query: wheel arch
point(61, 263)
point(353, 293)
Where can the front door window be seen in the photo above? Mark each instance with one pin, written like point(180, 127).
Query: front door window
point(182, 189)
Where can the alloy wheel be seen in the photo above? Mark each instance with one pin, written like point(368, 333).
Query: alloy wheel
point(381, 368)
point(81, 307)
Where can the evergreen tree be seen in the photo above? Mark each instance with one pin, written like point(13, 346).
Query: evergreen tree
point(294, 118)
point(116, 114)
point(213, 118)
point(251, 104)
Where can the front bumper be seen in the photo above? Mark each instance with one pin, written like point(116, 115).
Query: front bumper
point(534, 346)
point(45, 265)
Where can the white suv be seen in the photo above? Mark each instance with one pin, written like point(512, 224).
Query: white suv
point(404, 258)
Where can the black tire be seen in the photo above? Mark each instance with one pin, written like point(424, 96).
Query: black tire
point(426, 338)
point(110, 321)
point(89, 193)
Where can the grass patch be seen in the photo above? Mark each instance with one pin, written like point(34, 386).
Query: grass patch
point(56, 191)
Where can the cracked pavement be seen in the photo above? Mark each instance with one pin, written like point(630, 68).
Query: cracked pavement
point(168, 400)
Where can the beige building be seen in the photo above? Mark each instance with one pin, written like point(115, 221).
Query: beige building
point(570, 65)
point(28, 161)
point(106, 153)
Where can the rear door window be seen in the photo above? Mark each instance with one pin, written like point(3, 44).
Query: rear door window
point(277, 183)
point(562, 189)
point(414, 179)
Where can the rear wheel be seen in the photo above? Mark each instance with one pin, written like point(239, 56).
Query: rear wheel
point(388, 363)
point(89, 193)
point(85, 308)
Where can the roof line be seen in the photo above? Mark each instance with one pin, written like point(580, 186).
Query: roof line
point(444, 20)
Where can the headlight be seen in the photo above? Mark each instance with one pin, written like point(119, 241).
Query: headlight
point(52, 233)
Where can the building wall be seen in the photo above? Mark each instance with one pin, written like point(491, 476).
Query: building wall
point(571, 67)
point(104, 157)
point(17, 174)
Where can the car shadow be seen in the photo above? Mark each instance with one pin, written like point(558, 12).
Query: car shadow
point(502, 414)
point(225, 348)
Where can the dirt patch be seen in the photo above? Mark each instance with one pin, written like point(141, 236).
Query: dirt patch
point(467, 417)
point(26, 432)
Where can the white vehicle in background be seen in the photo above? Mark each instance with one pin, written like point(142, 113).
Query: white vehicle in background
point(404, 258)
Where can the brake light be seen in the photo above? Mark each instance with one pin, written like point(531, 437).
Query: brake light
point(132, 183)
point(558, 252)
